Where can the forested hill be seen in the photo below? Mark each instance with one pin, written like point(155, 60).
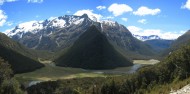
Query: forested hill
point(12, 52)
point(92, 51)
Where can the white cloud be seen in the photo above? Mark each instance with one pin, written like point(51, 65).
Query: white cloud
point(147, 32)
point(119, 9)
point(124, 19)
point(90, 14)
point(134, 29)
point(143, 21)
point(187, 5)
point(3, 18)
point(3, 1)
point(35, 1)
point(143, 11)
point(10, 0)
point(101, 7)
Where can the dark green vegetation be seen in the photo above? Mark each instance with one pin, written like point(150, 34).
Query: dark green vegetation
point(158, 78)
point(17, 56)
point(69, 86)
point(92, 51)
point(159, 45)
point(173, 69)
point(8, 85)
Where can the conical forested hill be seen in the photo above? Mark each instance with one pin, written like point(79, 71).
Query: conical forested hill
point(92, 51)
point(16, 55)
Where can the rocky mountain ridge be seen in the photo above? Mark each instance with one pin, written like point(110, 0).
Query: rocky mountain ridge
point(61, 32)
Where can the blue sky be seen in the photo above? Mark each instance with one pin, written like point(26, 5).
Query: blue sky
point(166, 18)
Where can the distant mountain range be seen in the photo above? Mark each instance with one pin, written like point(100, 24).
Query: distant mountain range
point(145, 38)
point(59, 33)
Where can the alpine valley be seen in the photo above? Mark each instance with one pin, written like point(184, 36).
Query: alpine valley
point(79, 55)
point(61, 32)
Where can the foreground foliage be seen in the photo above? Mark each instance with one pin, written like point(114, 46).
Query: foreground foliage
point(7, 84)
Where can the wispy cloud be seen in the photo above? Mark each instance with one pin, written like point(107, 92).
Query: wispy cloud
point(143, 11)
point(3, 1)
point(35, 1)
point(187, 5)
point(125, 19)
point(143, 21)
point(147, 32)
point(68, 12)
point(3, 18)
point(107, 18)
point(101, 7)
point(119, 9)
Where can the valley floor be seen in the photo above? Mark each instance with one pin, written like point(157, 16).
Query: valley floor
point(52, 72)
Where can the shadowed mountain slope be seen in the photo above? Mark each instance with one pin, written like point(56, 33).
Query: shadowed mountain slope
point(92, 51)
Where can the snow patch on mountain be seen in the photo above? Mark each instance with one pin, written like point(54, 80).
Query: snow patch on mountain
point(109, 22)
point(78, 21)
point(53, 22)
point(32, 26)
point(58, 23)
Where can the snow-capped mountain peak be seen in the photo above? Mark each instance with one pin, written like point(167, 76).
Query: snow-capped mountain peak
point(32, 27)
point(145, 38)
point(109, 22)
point(53, 22)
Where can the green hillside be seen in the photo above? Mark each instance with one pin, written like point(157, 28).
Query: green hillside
point(16, 56)
point(179, 42)
point(182, 40)
point(92, 51)
point(159, 45)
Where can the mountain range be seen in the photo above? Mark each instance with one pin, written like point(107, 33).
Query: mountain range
point(58, 38)
point(145, 38)
point(60, 33)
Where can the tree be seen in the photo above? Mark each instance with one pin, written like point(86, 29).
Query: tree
point(7, 84)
